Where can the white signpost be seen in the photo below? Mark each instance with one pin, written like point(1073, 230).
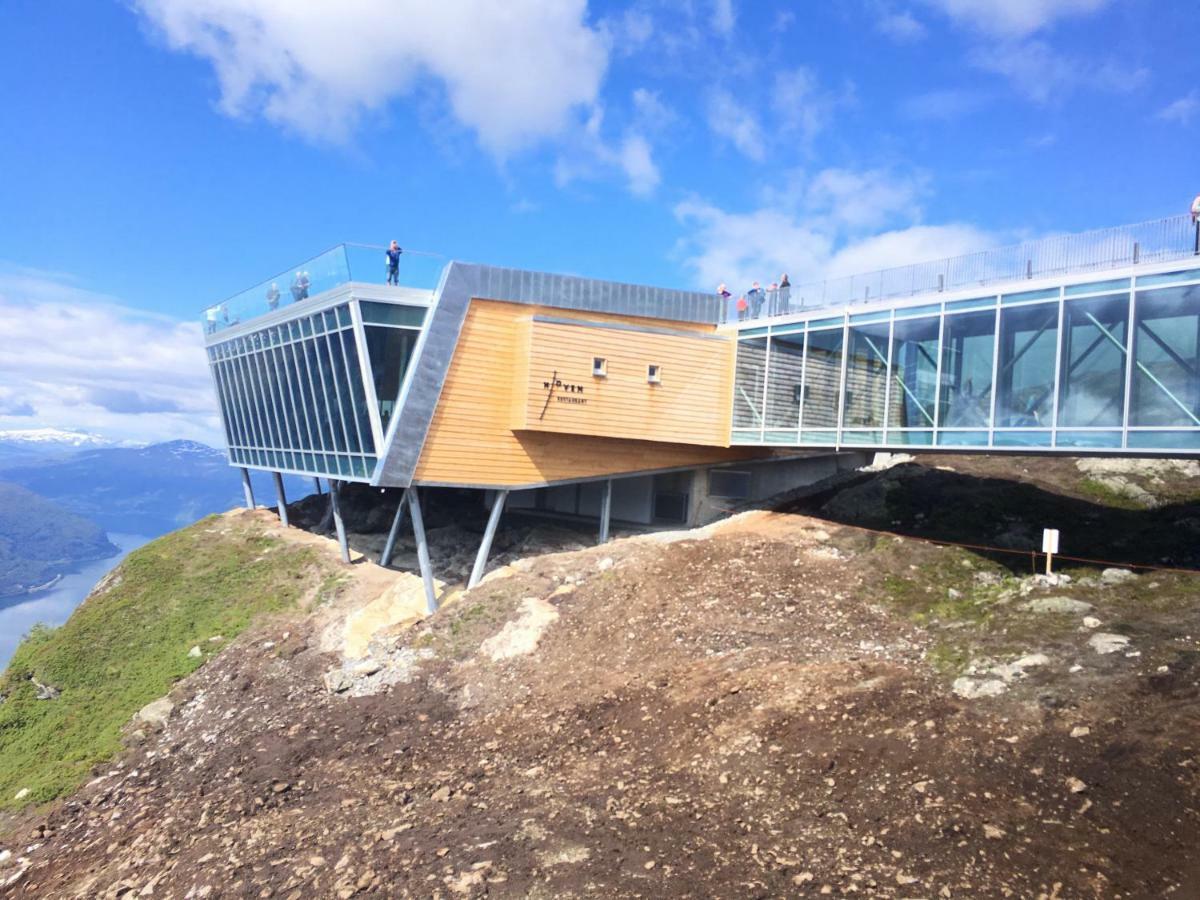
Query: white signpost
point(1049, 545)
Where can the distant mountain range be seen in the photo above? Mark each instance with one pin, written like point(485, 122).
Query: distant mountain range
point(39, 540)
point(146, 490)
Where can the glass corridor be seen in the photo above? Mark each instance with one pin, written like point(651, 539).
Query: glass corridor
point(314, 395)
point(1103, 365)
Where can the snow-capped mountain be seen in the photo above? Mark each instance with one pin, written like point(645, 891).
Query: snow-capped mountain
point(43, 436)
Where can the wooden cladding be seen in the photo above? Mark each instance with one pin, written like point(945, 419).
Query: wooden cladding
point(661, 387)
point(488, 428)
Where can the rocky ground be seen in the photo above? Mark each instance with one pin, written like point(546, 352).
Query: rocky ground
point(775, 706)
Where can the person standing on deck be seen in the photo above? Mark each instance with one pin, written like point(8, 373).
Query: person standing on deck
point(1196, 223)
point(273, 296)
point(785, 293)
point(392, 257)
point(755, 297)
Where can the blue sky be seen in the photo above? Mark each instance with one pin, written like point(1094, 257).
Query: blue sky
point(162, 154)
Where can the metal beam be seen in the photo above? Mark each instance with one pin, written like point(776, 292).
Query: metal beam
point(248, 488)
point(605, 510)
point(335, 490)
point(485, 546)
point(386, 556)
point(280, 499)
point(317, 482)
point(414, 509)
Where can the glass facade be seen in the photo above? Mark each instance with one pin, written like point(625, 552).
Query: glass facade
point(1113, 364)
point(307, 396)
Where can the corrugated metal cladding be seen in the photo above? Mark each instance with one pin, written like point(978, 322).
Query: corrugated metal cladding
point(592, 295)
point(462, 282)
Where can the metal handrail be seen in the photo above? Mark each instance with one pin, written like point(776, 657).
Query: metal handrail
point(1157, 240)
point(301, 265)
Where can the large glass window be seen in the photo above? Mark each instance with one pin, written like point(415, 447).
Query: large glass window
point(1092, 377)
point(1025, 376)
point(866, 376)
point(389, 351)
point(358, 391)
point(968, 347)
point(913, 373)
point(748, 383)
point(822, 379)
point(1166, 352)
point(783, 385)
point(323, 398)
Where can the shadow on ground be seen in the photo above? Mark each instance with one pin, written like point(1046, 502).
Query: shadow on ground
point(937, 504)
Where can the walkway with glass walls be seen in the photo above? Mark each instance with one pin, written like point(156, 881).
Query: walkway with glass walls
point(1102, 362)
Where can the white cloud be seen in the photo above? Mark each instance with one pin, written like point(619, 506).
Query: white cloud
point(1182, 110)
point(512, 72)
point(732, 121)
point(942, 105)
point(904, 246)
point(724, 16)
point(823, 234)
point(637, 163)
point(81, 360)
point(1014, 18)
point(871, 197)
point(591, 156)
point(650, 112)
point(1044, 74)
point(902, 27)
point(800, 105)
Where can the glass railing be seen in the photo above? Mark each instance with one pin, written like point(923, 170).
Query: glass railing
point(336, 266)
point(1124, 245)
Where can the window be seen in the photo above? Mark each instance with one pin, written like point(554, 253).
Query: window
point(599, 367)
point(729, 484)
point(654, 374)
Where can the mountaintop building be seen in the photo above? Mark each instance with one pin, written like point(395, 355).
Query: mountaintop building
point(654, 405)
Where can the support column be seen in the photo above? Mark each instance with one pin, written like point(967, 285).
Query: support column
point(386, 556)
point(280, 499)
point(605, 510)
point(485, 546)
point(414, 510)
point(335, 490)
point(246, 486)
point(317, 482)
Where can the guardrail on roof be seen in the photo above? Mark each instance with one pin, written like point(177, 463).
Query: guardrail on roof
point(1156, 241)
point(334, 267)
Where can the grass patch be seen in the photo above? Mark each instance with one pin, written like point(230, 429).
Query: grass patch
point(129, 644)
point(1106, 495)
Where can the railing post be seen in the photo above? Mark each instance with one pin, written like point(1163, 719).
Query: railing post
point(1029, 268)
point(1137, 252)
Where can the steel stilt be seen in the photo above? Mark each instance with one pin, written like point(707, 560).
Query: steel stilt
point(386, 556)
point(414, 510)
point(605, 510)
point(335, 490)
point(281, 499)
point(485, 546)
point(249, 490)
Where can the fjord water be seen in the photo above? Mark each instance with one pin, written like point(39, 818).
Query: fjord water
point(55, 605)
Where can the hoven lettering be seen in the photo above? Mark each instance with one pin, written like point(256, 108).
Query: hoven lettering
point(562, 392)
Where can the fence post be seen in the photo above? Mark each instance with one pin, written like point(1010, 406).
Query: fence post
point(1137, 252)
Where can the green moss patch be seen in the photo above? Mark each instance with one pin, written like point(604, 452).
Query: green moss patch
point(128, 644)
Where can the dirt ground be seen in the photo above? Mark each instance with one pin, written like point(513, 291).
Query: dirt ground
point(776, 706)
